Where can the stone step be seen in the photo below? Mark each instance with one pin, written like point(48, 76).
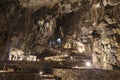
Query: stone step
point(25, 76)
point(47, 77)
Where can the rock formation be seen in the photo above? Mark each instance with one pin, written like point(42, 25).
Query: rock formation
point(90, 27)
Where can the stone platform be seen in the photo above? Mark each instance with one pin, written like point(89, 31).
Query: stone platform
point(87, 74)
point(64, 74)
point(25, 76)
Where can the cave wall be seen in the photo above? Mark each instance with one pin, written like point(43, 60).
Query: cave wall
point(92, 25)
point(21, 24)
point(77, 74)
point(96, 25)
point(22, 29)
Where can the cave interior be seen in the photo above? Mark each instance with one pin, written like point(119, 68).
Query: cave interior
point(81, 34)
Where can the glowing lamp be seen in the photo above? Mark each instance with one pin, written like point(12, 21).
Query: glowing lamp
point(40, 72)
point(88, 64)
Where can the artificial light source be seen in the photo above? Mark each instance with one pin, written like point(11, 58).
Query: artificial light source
point(40, 72)
point(59, 41)
point(71, 58)
point(88, 64)
point(76, 66)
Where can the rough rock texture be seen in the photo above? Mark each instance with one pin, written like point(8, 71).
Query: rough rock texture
point(96, 31)
point(24, 30)
point(66, 74)
point(92, 27)
point(23, 76)
point(76, 74)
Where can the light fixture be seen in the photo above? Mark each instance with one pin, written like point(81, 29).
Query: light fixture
point(88, 64)
point(40, 72)
point(76, 67)
point(71, 58)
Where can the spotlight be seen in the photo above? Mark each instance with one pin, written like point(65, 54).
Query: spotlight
point(40, 72)
point(88, 64)
point(76, 66)
point(71, 58)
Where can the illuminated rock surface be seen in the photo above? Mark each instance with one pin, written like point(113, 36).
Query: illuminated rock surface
point(76, 74)
point(85, 27)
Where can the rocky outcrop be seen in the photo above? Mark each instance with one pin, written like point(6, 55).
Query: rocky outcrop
point(25, 30)
point(90, 27)
point(96, 27)
point(77, 74)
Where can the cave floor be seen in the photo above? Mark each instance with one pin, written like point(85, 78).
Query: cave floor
point(57, 73)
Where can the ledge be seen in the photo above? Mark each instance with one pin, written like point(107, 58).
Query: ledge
point(87, 74)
